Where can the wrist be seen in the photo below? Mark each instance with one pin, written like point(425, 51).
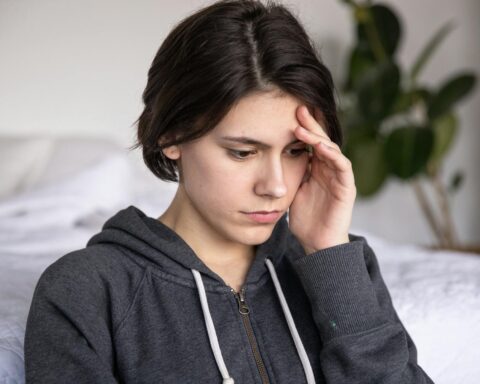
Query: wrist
point(325, 243)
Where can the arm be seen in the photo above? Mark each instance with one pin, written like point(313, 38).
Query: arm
point(364, 340)
point(67, 338)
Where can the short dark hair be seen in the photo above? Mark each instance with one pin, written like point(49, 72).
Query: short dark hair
point(218, 55)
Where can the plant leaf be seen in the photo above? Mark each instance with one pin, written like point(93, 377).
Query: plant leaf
point(368, 164)
point(388, 29)
point(444, 130)
point(452, 91)
point(406, 100)
point(429, 49)
point(378, 89)
point(407, 150)
point(359, 63)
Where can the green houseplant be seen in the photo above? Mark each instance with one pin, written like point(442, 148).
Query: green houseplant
point(394, 125)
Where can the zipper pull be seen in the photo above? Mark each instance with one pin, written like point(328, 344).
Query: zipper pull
point(242, 305)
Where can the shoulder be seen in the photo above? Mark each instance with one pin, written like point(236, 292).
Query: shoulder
point(98, 278)
point(93, 265)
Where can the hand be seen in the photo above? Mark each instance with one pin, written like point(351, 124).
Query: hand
point(321, 212)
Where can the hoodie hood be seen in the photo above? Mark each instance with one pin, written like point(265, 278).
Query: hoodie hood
point(155, 243)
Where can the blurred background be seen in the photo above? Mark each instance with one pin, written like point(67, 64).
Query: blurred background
point(75, 71)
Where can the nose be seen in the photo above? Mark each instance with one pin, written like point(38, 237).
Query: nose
point(271, 182)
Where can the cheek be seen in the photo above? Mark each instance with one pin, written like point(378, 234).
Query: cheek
point(216, 184)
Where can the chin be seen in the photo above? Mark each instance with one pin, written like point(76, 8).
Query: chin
point(256, 236)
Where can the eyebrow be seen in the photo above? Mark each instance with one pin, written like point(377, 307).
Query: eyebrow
point(248, 140)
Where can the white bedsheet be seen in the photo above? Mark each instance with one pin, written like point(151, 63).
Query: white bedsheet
point(436, 294)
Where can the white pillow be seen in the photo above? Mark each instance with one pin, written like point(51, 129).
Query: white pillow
point(22, 162)
point(73, 155)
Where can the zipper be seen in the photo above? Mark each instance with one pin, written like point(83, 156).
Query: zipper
point(244, 311)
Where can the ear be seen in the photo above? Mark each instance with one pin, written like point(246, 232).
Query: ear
point(172, 152)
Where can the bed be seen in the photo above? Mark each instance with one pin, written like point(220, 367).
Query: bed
point(69, 187)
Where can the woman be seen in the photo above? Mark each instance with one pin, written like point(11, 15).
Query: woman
point(222, 287)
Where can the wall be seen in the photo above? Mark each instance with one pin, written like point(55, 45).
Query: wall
point(78, 68)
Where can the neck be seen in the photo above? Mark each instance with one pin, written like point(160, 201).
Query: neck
point(230, 260)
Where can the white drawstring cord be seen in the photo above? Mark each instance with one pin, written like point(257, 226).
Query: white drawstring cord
point(291, 324)
point(212, 334)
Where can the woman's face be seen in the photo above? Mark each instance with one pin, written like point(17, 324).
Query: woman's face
point(224, 178)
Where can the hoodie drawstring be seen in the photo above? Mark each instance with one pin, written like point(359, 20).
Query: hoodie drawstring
point(212, 334)
point(307, 368)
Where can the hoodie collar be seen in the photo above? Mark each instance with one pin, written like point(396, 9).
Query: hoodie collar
point(153, 242)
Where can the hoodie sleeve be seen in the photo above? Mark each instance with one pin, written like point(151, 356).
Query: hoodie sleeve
point(364, 339)
point(68, 338)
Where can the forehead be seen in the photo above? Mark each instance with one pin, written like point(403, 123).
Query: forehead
point(263, 116)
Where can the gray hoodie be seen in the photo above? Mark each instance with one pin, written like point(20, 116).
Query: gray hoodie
point(137, 305)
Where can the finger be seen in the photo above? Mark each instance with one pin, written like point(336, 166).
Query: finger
point(324, 152)
point(312, 138)
point(331, 164)
point(334, 159)
point(334, 169)
point(313, 127)
point(308, 121)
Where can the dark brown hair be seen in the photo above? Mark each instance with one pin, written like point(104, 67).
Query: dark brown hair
point(215, 57)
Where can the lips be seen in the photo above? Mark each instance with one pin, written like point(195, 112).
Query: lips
point(264, 216)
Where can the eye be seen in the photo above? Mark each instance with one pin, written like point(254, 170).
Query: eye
point(296, 152)
point(240, 154)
